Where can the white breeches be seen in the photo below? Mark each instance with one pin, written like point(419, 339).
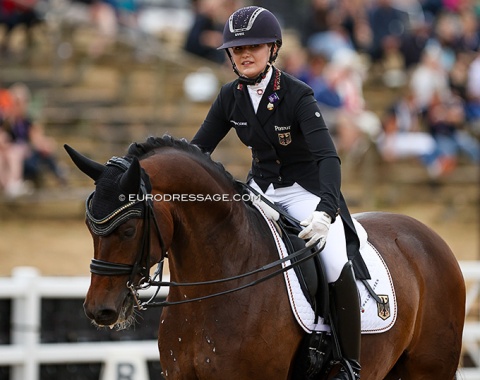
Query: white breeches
point(300, 204)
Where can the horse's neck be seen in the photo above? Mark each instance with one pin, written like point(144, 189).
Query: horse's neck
point(217, 247)
point(213, 238)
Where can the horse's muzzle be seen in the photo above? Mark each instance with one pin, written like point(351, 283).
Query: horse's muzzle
point(105, 315)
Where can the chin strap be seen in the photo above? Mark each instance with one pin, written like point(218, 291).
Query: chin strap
point(252, 81)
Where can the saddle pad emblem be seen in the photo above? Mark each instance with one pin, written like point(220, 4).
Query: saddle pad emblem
point(383, 309)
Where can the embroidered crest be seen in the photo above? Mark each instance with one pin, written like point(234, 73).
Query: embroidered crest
point(383, 309)
point(276, 81)
point(284, 138)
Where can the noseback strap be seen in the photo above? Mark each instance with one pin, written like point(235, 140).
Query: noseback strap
point(105, 268)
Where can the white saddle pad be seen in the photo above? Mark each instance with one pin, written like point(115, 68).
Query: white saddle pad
point(376, 318)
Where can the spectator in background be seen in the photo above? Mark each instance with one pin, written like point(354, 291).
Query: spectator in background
point(445, 39)
point(403, 137)
point(104, 17)
point(335, 93)
point(346, 73)
point(446, 122)
point(354, 19)
point(329, 100)
point(25, 149)
point(324, 33)
point(458, 74)
point(469, 39)
point(15, 13)
point(111, 17)
point(428, 78)
point(316, 19)
point(12, 155)
point(388, 25)
point(339, 23)
point(314, 75)
point(205, 35)
point(413, 43)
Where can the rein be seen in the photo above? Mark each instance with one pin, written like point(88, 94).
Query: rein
point(142, 262)
point(260, 280)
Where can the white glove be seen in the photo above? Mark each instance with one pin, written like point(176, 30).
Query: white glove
point(316, 228)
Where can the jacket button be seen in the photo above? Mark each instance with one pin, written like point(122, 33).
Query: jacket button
point(278, 162)
point(280, 179)
point(256, 159)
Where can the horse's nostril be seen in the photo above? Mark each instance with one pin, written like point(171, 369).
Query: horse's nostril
point(105, 317)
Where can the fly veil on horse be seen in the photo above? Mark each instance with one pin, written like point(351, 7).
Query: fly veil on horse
point(166, 196)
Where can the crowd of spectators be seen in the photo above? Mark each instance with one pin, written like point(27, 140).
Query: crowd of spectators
point(427, 50)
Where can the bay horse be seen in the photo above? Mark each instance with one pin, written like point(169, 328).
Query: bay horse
point(159, 200)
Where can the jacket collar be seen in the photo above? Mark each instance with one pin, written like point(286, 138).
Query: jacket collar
point(272, 97)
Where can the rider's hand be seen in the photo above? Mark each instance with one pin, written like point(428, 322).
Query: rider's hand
point(316, 228)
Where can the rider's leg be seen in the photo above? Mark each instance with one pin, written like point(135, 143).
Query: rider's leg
point(346, 319)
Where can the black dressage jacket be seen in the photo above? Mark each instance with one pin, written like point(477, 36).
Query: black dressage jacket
point(289, 142)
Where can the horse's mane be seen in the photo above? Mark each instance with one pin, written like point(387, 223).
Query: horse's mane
point(152, 144)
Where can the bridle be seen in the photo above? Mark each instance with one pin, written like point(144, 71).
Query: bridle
point(141, 267)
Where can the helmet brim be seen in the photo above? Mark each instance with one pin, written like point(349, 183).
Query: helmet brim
point(246, 42)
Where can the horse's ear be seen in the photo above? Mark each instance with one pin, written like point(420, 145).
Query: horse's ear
point(131, 179)
point(91, 168)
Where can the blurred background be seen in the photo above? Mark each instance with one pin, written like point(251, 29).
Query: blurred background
point(398, 82)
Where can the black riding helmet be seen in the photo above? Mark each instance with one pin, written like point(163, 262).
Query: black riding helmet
point(252, 26)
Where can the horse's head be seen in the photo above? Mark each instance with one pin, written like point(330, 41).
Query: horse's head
point(119, 218)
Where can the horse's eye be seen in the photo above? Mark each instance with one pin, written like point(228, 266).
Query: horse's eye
point(129, 232)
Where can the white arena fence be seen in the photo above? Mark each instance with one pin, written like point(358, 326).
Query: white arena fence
point(127, 360)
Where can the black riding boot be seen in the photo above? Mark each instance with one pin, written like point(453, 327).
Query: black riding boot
point(346, 319)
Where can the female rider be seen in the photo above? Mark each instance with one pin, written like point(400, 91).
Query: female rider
point(294, 161)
